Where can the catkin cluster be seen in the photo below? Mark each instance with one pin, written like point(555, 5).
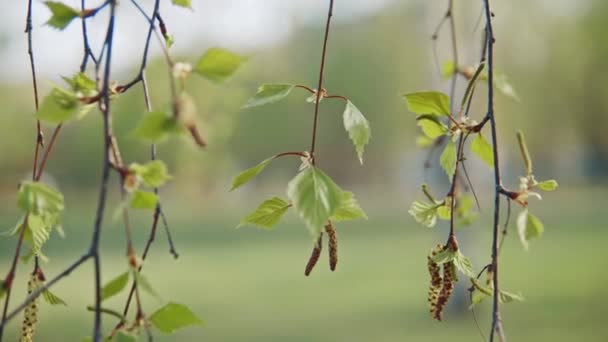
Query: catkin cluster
point(442, 286)
point(30, 320)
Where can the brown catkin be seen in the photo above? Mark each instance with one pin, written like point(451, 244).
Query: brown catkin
point(314, 256)
point(436, 280)
point(449, 280)
point(333, 245)
point(30, 319)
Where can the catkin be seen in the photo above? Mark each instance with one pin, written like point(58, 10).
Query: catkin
point(333, 245)
point(30, 320)
point(436, 280)
point(449, 280)
point(314, 256)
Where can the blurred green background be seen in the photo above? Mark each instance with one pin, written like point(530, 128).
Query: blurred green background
point(248, 284)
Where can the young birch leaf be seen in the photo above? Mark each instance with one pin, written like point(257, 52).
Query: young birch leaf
point(59, 106)
point(182, 3)
point(39, 198)
point(250, 173)
point(114, 286)
point(143, 200)
point(349, 209)
point(37, 233)
point(217, 64)
point(269, 93)
point(156, 126)
point(548, 185)
point(431, 126)
point(424, 213)
point(52, 299)
point(463, 264)
point(447, 69)
point(144, 284)
point(528, 227)
point(482, 148)
point(315, 196)
point(428, 102)
point(174, 316)
point(357, 127)
point(447, 255)
point(508, 297)
point(62, 14)
point(154, 174)
point(268, 214)
point(123, 336)
point(448, 159)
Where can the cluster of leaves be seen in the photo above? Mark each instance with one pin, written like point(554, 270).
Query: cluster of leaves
point(479, 292)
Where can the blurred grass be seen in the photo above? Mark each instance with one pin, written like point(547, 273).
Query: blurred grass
point(248, 285)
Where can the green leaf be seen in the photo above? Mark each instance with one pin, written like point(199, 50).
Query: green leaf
point(463, 264)
point(528, 227)
point(357, 127)
point(217, 64)
point(501, 83)
point(428, 102)
point(424, 213)
point(115, 285)
point(444, 212)
point(59, 106)
point(156, 126)
point(315, 196)
point(447, 69)
point(143, 200)
point(445, 256)
point(479, 293)
point(250, 173)
point(268, 214)
point(448, 159)
point(424, 141)
point(349, 209)
point(52, 299)
point(508, 297)
point(144, 284)
point(182, 3)
point(62, 14)
point(154, 174)
point(269, 93)
point(123, 336)
point(548, 185)
point(174, 316)
point(81, 83)
point(37, 233)
point(39, 198)
point(482, 148)
point(431, 126)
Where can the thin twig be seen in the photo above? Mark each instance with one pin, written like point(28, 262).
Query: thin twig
point(320, 84)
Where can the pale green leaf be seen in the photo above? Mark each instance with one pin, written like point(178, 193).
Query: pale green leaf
point(269, 93)
point(424, 141)
point(250, 173)
point(38, 231)
point(482, 148)
point(428, 102)
point(267, 214)
point(548, 185)
point(431, 126)
point(174, 316)
point(502, 84)
point(62, 15)
point(217, 64)
point(81, 83)
point(424, 213)
point(447, 69)
point(357, 127)
point(58, 106)
point(123, 336)
point(39, 198)
point(154, 173)
point(315, 196)
point(143, 200)
point(114, 286)
point(448, 159)
point(445, 256)
point(349, 209)
point(528, 227)
point(52, 299)
point(508, 297)
point(144, 284)
point(182, 3)
point(444, 212)
point(463, 264)
point(156, 126)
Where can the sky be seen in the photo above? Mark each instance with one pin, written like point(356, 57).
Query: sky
point(240, 25)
